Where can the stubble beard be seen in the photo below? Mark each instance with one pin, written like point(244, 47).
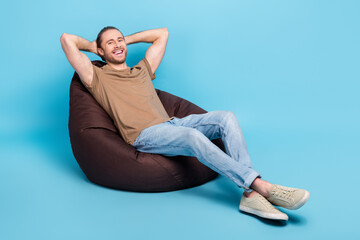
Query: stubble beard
point(115, 61)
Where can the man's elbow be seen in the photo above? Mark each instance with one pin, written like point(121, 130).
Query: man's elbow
point(64, 38)
point(165, 32)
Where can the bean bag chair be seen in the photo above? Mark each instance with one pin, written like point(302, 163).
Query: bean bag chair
point(106, 159)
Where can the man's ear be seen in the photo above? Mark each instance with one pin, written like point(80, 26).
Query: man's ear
point(100, 51)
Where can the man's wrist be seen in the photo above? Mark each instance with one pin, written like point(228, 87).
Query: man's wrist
point(148, 36)
point(128, 40)
point(93, 48)
point(86, 45)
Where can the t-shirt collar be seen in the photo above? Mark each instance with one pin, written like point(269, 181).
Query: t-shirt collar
point(108, 67)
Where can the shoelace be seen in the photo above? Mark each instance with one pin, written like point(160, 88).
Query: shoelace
point(284, 192)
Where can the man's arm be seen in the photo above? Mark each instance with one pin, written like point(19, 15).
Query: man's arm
point(155, 53)
point(72, 44)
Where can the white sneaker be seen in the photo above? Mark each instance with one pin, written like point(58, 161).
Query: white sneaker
point(258, 205)
point(286, 197)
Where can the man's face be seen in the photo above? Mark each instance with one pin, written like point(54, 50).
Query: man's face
point(113, 47)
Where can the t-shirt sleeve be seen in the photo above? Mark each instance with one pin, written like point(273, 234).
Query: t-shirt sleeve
point(95, 80)
point(147, 65)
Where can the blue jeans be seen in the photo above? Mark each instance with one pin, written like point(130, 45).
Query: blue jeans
point(191, 135)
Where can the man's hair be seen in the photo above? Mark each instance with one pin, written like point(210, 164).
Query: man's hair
point(99, 36)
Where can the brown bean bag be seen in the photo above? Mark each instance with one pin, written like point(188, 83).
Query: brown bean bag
point(107, 160)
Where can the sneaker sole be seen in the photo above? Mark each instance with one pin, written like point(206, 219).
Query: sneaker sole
point(272, 216)
point(301, 202)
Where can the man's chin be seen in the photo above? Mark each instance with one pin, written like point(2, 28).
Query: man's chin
point(114, 61)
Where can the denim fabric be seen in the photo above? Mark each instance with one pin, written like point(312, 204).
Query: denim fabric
point(191, 135)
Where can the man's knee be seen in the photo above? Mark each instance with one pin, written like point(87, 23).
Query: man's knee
point(225, 115)
point(229, 114)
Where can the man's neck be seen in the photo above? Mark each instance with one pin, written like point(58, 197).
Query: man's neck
point(121, 66)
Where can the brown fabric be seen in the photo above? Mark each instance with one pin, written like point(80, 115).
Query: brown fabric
point(107, 160)
point(129, 98)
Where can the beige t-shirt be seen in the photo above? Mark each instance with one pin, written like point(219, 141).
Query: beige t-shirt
point(129, 97)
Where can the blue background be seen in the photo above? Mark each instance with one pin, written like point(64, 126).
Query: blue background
point(289, 70)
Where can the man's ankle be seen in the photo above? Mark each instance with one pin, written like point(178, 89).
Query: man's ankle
point(262, 187)
point(250, 194)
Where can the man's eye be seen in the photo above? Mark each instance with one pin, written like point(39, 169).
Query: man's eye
point(109, 42)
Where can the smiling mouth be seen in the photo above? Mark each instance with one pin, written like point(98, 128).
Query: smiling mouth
point(118, 52)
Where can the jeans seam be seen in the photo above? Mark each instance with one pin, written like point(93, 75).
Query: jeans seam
point(148, 144)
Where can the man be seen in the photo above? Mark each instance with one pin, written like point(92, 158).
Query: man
point(128, 96)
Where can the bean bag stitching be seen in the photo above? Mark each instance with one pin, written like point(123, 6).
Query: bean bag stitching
point(83, 129)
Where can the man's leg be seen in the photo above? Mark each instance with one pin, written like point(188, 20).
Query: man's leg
point(190, 136)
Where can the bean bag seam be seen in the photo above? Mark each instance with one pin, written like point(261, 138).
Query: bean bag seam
point(83, 129)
